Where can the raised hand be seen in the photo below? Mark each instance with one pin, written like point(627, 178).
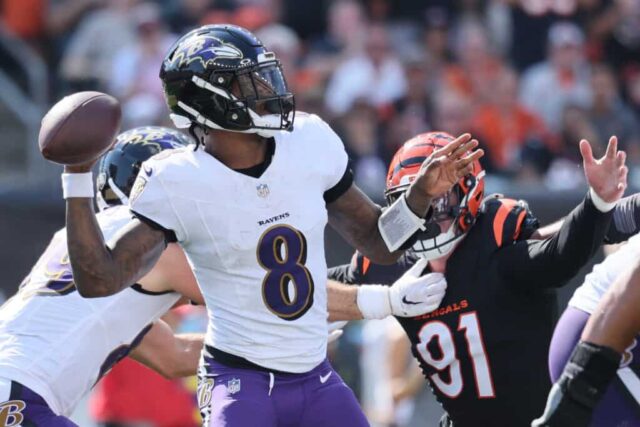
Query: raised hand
point(441, 171)
point(607, 175)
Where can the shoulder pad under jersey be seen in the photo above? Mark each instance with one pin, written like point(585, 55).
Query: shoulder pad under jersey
point(509, 219)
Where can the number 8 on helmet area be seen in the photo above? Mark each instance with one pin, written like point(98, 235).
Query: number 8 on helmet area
point(79, 128)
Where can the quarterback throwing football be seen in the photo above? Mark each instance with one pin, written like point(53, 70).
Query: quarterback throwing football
point(249, 210)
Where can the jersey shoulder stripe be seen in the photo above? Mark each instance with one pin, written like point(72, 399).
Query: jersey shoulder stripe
point(510, 220)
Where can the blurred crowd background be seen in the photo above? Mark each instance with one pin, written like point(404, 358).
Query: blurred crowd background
point(529, 79)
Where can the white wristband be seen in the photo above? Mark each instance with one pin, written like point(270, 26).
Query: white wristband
point(373, 301)
point(397, 223)
point(77, 185)
point(600, 204)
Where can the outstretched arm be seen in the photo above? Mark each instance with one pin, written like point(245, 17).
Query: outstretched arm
point(551, 262)
point(357, 218)
point(170, 355)
point(100, 269)
point(413, 294)
point(595, 360)
point(616, 321)
point(625, 222)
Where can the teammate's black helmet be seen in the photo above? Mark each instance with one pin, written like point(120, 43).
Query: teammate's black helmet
point(119, 166)
point(222, 77)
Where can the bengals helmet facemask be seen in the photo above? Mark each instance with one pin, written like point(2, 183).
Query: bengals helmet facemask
point(450, 216)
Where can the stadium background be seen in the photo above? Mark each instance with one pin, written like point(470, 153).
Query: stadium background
point(529, 78)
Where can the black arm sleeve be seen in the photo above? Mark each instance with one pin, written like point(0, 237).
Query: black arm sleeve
point(626, 219)
point(552, 262)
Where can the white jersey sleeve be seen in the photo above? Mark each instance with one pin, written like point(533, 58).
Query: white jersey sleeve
point(596, 283)
point(151, 198)
point(326, 148)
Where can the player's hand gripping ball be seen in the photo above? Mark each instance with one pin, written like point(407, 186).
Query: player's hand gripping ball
point(80, 128)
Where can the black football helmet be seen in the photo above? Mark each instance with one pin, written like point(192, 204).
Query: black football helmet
point(222, 77)
point(119, 166)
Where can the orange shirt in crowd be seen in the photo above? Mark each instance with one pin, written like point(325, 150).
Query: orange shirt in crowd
point(504, 134)
point(24, 18)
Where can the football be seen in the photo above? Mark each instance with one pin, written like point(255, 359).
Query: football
point(79, 128)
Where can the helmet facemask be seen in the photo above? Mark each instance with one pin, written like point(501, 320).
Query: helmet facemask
point(443, 229)
point(250, 99)
point(447, 221)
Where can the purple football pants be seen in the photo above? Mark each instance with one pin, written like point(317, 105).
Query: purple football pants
point(21, 406)
point(237, 397)
point(618, 407)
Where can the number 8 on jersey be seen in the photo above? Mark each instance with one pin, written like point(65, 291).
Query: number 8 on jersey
point(282, 252)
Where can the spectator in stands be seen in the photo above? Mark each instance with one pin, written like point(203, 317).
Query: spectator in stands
point(435, 41)
point(563, 174)
point(506, 127)
point(284, 42)
point(611, 116)
point(632, 90)
point(411, 114)
point(452, 113)
point(375, 75)
point(183, 15)
point(617, 26)
point(360, 132)
point(346, 28)
point(476, 69)
point(564, 78)
point(134, 72)
point(344, 38)
point(88, 58)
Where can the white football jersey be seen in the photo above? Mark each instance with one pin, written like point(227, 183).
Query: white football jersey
point(59, 344)
point(596, 283)
point(256, 245)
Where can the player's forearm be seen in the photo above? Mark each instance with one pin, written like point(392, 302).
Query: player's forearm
point(98, 270)
point(616, 320)
point(188, 353)
point(342, 302)
point(625, 223)
point(89, 256)
point(172, 356)
point(355, 217)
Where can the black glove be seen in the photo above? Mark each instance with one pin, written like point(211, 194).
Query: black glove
point(583, 383)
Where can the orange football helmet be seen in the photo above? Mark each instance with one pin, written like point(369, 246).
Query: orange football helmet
point(451, 215)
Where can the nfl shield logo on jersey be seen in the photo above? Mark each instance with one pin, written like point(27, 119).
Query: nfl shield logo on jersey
point(233, 386)
point(263, 190)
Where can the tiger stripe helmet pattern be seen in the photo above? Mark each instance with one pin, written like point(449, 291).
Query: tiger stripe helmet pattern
point(461, 205)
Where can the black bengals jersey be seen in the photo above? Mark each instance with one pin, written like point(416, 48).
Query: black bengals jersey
point(484, 351)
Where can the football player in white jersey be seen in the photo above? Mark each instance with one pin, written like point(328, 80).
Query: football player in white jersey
point(249, 210)
point(55, 345)
point(600, 385)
